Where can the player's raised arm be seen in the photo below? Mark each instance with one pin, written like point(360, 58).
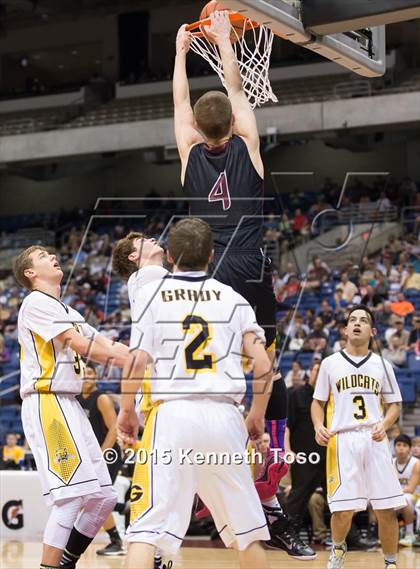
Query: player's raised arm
point(132, 376)
point(245, 124)
point(185, 133)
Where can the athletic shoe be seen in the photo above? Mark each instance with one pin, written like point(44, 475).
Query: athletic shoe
point(283, 537)
point(390, 566)
point(325, 541)
point(416, 542)
point(337, 556)
point(407, 541)
point(168, 565)
point(112, 549)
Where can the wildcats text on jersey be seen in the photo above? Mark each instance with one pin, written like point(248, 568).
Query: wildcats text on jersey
point(358, 380)
point(191, 295)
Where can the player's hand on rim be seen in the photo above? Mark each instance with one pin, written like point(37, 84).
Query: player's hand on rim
point(322, 436)
point(183, 39)
point(378, 432)
point(127, 426)
point(220, 27)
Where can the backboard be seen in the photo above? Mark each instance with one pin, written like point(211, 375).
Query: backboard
point(361, 51)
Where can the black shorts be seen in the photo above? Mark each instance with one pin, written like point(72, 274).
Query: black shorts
point(249, 274)
point(114, 468)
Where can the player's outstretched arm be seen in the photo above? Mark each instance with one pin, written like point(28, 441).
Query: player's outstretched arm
point(96, 348)
point(254, 350)
point(185, 133)
point(245, 124)
point(322, 434)
point(132, 376)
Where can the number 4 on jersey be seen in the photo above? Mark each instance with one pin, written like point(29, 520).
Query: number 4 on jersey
point(220, 191)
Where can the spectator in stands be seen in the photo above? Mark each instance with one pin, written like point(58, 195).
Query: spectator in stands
point(296, 344)
point(348, 288)
point(398, 330)
point(290, 271)
point(415, 447)
point(299, 222)
point(4, 352)
point(340, 343)
point(383, 203)
point(414, 335)
point(396, 354)
point(401, 306)
point(412, 280)
point(12, 455)
point(371, 298)
point(317, 338)
point(291, 289)
point(321, 269)
point(271, 227)
point(339, 301)
point(297, 324)
point(296, 376)
point(326, 314)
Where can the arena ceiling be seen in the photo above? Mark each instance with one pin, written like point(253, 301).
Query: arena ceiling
point(21, 12)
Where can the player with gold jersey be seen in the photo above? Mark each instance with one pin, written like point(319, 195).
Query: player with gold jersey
point(53, 338)
point(355, 385)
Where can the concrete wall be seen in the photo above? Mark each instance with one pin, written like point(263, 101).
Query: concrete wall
point(400, 110)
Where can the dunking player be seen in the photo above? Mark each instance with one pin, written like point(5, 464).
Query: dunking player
point(197, 380)
point(75, 480)
point(223, 175)
point(356, 383)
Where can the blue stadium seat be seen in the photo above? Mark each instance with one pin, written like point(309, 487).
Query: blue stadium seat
point(408, 391)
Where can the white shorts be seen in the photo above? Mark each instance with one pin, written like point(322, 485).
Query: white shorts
point(360, 470)
point(67, 454)
point(163, 490)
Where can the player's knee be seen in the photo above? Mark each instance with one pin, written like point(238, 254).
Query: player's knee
point(344, 516)
point(110, 498)
point(61, 520)
point(386, 516)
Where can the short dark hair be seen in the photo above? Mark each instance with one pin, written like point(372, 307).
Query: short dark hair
point(121, 264)
point(213, 114)
point(402, 438)
point(23, 262)
point(190, 244)
point(361, 307)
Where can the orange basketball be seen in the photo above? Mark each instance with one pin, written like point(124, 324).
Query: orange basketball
point(213, 6)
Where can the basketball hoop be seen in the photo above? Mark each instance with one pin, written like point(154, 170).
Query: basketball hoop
point(252, 52)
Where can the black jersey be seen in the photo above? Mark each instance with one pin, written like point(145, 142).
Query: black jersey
point(214, 180)
point(90, 405)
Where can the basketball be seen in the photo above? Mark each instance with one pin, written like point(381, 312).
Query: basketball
point(213, 6)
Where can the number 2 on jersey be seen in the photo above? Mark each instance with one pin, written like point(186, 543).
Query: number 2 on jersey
point(195, 359)
point(220, 191)
point(361, 414)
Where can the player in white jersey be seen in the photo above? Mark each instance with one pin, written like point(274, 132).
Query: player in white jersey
point(74, 478)
point(408, 473)
point(193, 330)
point(355, 384)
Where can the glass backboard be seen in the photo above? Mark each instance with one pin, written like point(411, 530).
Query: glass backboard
point(361, 51)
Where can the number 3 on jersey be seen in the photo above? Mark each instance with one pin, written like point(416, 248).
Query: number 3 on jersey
point(361, 414)
point(195, 359)
point(220, 191)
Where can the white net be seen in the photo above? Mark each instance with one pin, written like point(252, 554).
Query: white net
point(253, 51)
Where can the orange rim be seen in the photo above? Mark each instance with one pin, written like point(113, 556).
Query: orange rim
point(233, 17)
